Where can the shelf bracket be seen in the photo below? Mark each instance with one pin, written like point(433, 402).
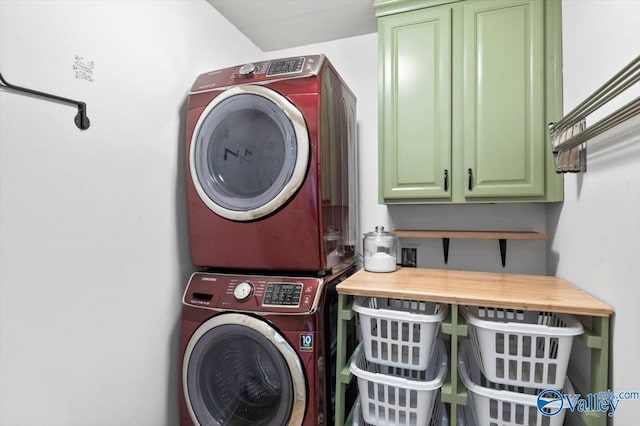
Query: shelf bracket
point(501, 236)
point(445, 250)
point(503, 251)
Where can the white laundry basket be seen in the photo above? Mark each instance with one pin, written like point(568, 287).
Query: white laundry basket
point(505, 405)
point(438, 416)
point(399, 333)
point(392, 396)
point(522, 348)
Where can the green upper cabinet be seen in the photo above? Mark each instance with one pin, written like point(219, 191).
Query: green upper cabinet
point(466, 91)
point(504, 129)
point(416, 129)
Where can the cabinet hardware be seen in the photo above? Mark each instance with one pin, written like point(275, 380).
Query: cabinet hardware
point(470, 174)
point(446, 179)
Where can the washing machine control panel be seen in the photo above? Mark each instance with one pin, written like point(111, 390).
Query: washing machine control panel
point(253, 293)
point(282, 294)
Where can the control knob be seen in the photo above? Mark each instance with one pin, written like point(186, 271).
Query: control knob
point(247, 69)
point(243, 291)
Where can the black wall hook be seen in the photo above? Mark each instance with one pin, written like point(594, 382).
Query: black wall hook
point(81, 120)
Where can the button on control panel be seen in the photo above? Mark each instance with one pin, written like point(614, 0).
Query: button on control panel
point(282, 294)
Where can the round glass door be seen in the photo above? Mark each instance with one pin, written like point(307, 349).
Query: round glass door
point(249, 153)
point(238, 371)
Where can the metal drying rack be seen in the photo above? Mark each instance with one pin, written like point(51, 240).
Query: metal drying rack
point(81, 119)
point(569, 136)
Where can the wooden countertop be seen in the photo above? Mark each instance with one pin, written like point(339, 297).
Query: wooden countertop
point(514, 291)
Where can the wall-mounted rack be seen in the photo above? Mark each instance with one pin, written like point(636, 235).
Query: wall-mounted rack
point(501, 236)
point(570, 135)
point(81, 119)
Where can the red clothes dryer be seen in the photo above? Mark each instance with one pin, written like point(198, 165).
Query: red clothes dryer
point(271, 176)
point(259, 350)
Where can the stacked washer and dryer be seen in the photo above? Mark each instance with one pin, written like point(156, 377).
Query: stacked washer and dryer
point(272, 202)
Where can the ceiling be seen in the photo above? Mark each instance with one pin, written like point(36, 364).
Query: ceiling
point(280, 24)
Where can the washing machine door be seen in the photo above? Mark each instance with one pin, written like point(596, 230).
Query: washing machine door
point(249, 152)
point(239, 371)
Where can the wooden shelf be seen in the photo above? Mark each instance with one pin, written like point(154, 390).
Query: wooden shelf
point(478, 235)
point(512, 291)
point(501, 236)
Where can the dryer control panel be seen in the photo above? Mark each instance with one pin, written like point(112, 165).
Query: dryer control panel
point(253, 293)
point(257, 72)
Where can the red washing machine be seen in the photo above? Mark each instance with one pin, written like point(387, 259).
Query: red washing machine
point(271, 176)
point(259, 350)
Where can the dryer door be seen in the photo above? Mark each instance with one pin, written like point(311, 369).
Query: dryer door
point(249, 153)
point(239, 371)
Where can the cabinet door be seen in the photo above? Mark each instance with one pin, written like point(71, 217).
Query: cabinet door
point(503, 93)
point(415, 108)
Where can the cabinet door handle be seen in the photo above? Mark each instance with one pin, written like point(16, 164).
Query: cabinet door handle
point(446, 179)
point(470, 174)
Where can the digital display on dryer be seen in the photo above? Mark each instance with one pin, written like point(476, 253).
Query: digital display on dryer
point(282, 294)
point(285, 67)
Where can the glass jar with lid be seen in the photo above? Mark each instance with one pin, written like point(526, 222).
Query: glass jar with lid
point(380, 248)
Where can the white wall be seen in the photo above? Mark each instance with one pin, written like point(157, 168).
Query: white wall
point(93, 231)
point(595, 234)
point(356, 60)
